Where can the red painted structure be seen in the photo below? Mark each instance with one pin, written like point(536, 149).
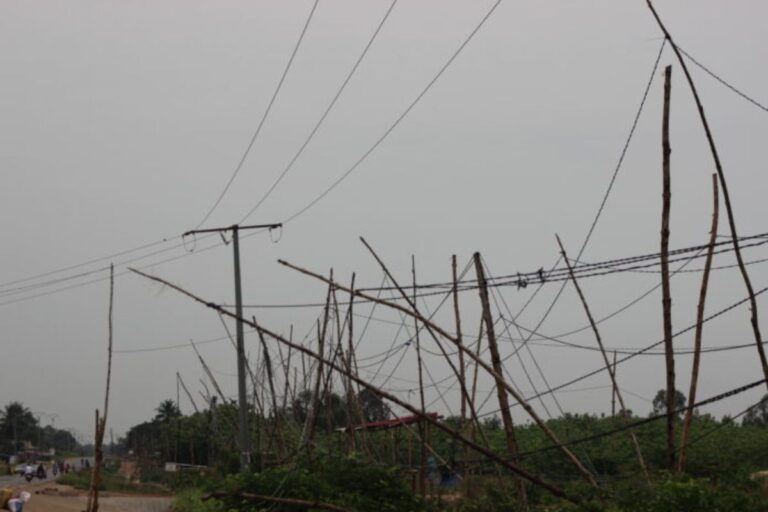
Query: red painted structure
point(392, 423)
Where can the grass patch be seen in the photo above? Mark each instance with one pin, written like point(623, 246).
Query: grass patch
point(110, 482)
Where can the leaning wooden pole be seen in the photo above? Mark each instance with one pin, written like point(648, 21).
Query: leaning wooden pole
point(428, 326)
point(422, 427)
point(186, 391)
point(726, 200)
point(287, 373)
point(506, 415)
point(276, 429)
point(312, 419)
point(490, 454)
point(434, 328)
point(608, 365)
point(666, 295)
point(699, 326)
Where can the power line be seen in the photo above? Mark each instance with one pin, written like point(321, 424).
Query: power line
point(656, 344)
point(644, 421)
point(323, 116)
point(597, 269)
point(122, 273)
point(263, 118)
point(88, 262)
point(397, 121)
point(722, 80)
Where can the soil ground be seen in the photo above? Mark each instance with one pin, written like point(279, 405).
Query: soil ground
point(49, 497)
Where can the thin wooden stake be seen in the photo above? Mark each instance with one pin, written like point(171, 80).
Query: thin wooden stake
point(699, 326)
point(422, 433)
point(613, 389)
point(186, 391)
point(608, 366)
point(319, 377)
point(462, 366)
point(101, 423)
point(276, 430)
point(287, 372)
point(666, 301)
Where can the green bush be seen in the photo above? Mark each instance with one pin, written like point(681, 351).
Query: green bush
point(190, 500)
point(343, 481)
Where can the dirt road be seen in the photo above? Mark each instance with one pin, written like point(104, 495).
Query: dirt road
point(48, 497)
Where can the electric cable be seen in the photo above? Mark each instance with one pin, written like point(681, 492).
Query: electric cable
point(263, 117)
point(323, 116)
point(397, 121)
point(722, 81)
point(647, 348)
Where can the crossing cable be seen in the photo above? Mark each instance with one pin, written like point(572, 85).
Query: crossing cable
point(399, 119)
point(608, 190)
point(263, 118)
point(542, 337)
point(722, 396)
point(567, 344)
point(88, 262)
point(721, 80)
point(403, 320)
point(543, 377)
point(651, 419)
point(583, 271)
point(757, 240)
point(323, 116)
point(649, 347)
point(725, 422)
point(400, 327)
point(558, 339)
point(121, 273)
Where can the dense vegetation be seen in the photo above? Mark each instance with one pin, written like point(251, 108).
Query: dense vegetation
point(381, 472)
point(20, 429)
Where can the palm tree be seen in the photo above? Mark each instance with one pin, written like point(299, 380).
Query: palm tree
point(166, 411)
point(17, 424)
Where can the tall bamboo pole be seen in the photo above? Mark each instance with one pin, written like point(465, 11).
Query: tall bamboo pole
point(726, 199)
point(666, 300)
point(462, 366)
point(506, 415)
point(422, 431)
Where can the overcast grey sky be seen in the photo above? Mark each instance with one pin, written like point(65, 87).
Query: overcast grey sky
point(120, 122)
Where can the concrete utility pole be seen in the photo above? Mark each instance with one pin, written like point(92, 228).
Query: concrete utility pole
point(244, 432)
